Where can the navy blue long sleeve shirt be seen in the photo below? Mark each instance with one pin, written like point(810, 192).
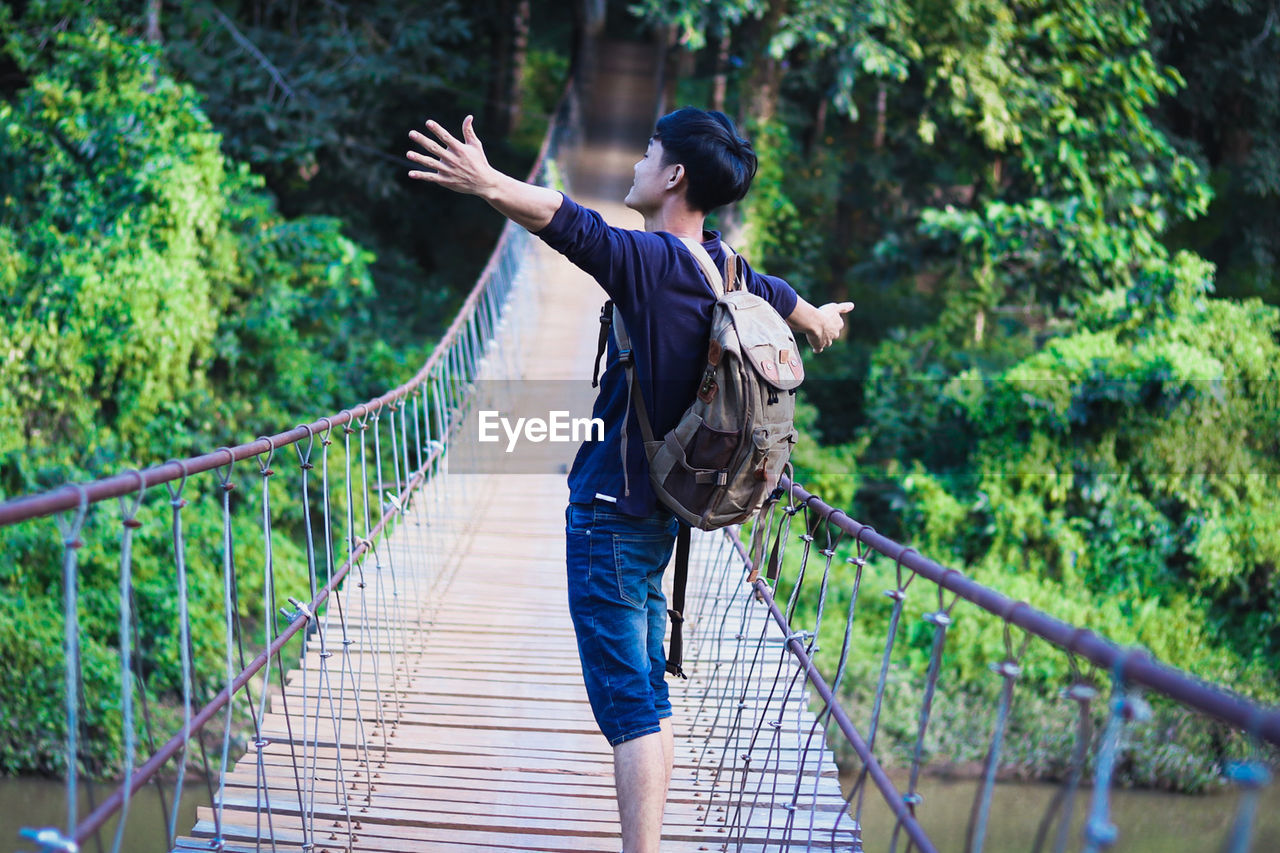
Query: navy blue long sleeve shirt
point(665, 302)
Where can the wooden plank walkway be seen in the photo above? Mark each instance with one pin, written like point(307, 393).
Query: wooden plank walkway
point(485, 739)
point(493, 746)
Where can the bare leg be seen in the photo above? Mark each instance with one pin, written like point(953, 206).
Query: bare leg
point(668, 751)
point(641, 773)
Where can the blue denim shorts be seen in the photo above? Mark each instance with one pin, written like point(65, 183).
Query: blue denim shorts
point(615, 565)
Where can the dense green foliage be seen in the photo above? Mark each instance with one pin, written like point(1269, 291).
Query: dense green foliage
point(173, 299)
point(174, 276)
point(1052, 391)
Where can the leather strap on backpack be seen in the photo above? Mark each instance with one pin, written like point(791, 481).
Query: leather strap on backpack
point(602, 342)
point(675, 657)
point(763, 523)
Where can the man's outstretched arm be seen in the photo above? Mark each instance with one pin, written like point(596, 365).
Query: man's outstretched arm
point(462, 167)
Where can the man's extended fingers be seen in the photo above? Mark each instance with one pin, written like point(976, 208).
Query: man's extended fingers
point(428, 143)
point(423, 159)
point(445, 136)
point(845, 307)
point(424, 176)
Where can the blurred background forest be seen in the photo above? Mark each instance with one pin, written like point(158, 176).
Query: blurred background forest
point(1060, 223)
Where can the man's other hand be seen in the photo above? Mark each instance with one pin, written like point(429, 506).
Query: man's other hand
point(820, 325)
point(458, 165)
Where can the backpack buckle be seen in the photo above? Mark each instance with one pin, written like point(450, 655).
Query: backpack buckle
point(624, 356)
point(707, 390)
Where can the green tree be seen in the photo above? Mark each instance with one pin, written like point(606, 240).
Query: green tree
point(1044, 389)
point(154, 302)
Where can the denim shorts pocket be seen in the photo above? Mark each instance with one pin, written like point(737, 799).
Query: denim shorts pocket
point(634, 556)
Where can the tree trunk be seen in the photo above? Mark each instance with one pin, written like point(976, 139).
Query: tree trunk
point(588, 24)
point(813, 142)
point(765, 83)
point(153, 21)
point(666, 36)
point(682, 64)
point(882, 102)
point(496, 106)
point(720, 83)
point(519, 52)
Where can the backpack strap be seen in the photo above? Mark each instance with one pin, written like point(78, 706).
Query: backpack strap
point(626, 357)
point(709, 270)
point(602, 343)
point(675, 657)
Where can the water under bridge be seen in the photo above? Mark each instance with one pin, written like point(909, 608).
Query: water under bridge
point(422, 689)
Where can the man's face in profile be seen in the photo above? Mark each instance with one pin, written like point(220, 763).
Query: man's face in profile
point(650, 181)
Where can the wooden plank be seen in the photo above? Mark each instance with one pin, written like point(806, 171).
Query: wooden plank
point(290, 838)
point(484, 788)
point(401, 823)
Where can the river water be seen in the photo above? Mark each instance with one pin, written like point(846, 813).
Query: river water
point(1149, 822)
point(38, 803)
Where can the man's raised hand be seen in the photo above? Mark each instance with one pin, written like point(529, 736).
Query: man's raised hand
point(458, 165)
point(829, 325)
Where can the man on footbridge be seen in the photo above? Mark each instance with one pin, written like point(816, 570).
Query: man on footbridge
point(619, 535)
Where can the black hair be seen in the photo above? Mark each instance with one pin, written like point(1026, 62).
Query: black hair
point(718, 163)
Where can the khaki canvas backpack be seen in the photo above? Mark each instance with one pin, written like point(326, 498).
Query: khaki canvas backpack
point(728, 451)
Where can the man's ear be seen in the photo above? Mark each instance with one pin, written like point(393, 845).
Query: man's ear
point(677, 175)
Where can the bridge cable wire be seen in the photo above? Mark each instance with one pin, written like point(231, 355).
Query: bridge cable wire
point(176, 504)
point(941, 621)
point(129, 523)
point(1061, 807)
point(806, 745)
point(1009, 670)
point(773, 751)
point(263, 793)
point(306, 802)
point(229, 612)
point(70, 528)
point(1250, 776)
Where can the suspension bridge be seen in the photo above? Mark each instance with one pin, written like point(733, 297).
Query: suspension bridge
point(416, 685)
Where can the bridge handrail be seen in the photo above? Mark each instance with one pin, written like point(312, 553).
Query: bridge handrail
point(71, 496)
point(1132, 665)
point(1131, 671)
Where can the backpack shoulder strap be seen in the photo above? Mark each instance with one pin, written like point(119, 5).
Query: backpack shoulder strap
point(627, 356)
point(634, 397)
point(708, 266)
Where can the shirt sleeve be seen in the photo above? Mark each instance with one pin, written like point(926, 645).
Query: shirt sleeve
point(624, 262)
